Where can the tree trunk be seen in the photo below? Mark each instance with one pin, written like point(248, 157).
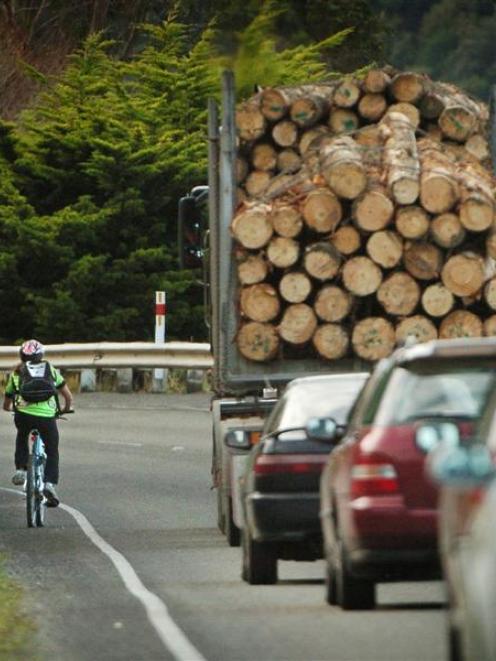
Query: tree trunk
point(259, 302)
point(258, 342)
point(346, 240)
point(361, 276)
point(321, 261)
point(376, 81)
point(307, 110)
point(276, 101)
point(332, 303)
point(285, 133)
point(447, 231)
point(401, 158)
point(412, 222)
point(417, 326)
point(283, 252)
point(298, 324)
point(408, 87)
point(460, 323)
point(346, 94)
point(373, 338)
point(477, 198)
point(422, 260)
point(331, 341)
point(252, 269)
point(257, 182)
point(491, 243)
point(478, 147)
point(399, 294)
point(242, 169)
point(288, 160)
point(408, 110)
point(250, 122)
point(295, 287)
point(311, 138)
point(373, 210)
point(385, 248)
point(342, 168)
point(439, 191)
point(437, 300)
point(463, 274)
point(252, 227)
point(322, 210)
point(490, 293)
point(489, 326)
point(264, 157)
point(286, 220)
point(342, 120)
point(372, 107)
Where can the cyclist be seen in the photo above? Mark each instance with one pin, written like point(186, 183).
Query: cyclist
point(39, 415)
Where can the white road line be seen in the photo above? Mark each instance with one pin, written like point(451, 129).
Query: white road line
point(167, 630)
point(133, 445)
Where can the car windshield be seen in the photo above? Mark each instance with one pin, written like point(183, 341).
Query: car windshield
point(332, 398)
point(412, 395)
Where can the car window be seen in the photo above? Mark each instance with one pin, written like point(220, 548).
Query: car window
point(410, 395)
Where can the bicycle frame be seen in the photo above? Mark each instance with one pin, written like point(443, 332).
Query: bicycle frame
point(35, 499)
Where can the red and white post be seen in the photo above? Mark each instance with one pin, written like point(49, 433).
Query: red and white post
point(159, 374)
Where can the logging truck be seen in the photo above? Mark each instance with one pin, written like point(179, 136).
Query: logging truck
point(340, 219)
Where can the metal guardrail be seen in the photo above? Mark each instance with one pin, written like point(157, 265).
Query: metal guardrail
point(188, 355)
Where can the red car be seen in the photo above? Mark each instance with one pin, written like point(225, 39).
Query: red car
point(378, 506)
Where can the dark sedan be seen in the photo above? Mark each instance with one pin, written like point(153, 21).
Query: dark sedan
point(280, 486)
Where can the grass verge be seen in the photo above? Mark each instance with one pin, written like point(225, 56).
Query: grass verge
point(16, 627)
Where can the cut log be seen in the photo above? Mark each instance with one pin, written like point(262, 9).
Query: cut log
point(370, 137)
point(401, 158)
point(361, 276)
point(460, 323)
point(257, 182)
point(478, 147)
point(399, 294)
point(437, 300)
point(250, 122)
point(252, 269)
point(321, 261)
point(298, 324)
point(285, 133)
point(310, 108)
point(346, 240)
point(275, 102)
point(282, 183)
point(286, 220)
point(418, 326)
point(331, 341)
point(252, 227)
point(412, 222)
point(491, 243)
point(343, 121)
point(447, 231)
point(322, 210)
point(283, 252)
point(332, 303)
point(312, 137)
point(241, 196)
point(346, 94)
point(288, 160)
point(477, 198)
point(258, 342)
point(372, 107)
point(463, 274)
point(489, 326)
point(373, 210)
point(376, 81)
point(373, 338)
point(457, 121)
point(295, 287)
point(242, 169)
point(490, 293)
point(422, 260)
point(408, 87)
point(259, 302)
point(385, 248)
point(408, 110)
point(439, 190)
point(431, 105)
point(342, 168)
point(264, 157)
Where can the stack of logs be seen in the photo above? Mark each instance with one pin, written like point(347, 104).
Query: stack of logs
point(366, 214)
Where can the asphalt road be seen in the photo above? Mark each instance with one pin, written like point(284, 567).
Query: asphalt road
point(134, 568)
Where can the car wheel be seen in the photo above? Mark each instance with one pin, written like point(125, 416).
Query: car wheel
point(330, 585)
point(351, 593)
point(259, 564)
point(232, 531)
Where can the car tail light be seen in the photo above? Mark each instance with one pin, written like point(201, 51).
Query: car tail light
point(372, 475)
point(271, 464)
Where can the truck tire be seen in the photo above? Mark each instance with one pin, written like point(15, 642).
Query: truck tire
point(231, 530)
point(259, 564)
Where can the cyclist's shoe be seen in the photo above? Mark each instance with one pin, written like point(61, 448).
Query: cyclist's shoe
point(51, 495)
point(19, 477)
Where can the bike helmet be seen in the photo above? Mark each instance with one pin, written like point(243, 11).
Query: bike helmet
point(32, 351)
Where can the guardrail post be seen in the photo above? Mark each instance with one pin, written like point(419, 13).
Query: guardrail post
point(160, 374)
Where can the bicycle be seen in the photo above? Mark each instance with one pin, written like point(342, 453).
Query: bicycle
point(36, 501)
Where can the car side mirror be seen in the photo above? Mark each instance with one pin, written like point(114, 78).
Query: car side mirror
point(469, 466)
point(431, 435)
point(324, 430)
point(238, 439)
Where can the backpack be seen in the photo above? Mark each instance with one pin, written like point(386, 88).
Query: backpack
point(36, 382)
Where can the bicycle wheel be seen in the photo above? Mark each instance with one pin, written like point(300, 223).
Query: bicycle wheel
point(40, 498)
point(31, 493)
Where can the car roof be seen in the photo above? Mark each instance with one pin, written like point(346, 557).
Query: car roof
point(328, 378)
point(464, 347)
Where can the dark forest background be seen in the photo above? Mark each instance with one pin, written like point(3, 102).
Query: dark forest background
point(102, 129)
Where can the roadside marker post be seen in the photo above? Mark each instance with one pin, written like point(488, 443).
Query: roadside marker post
point(160, 374)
